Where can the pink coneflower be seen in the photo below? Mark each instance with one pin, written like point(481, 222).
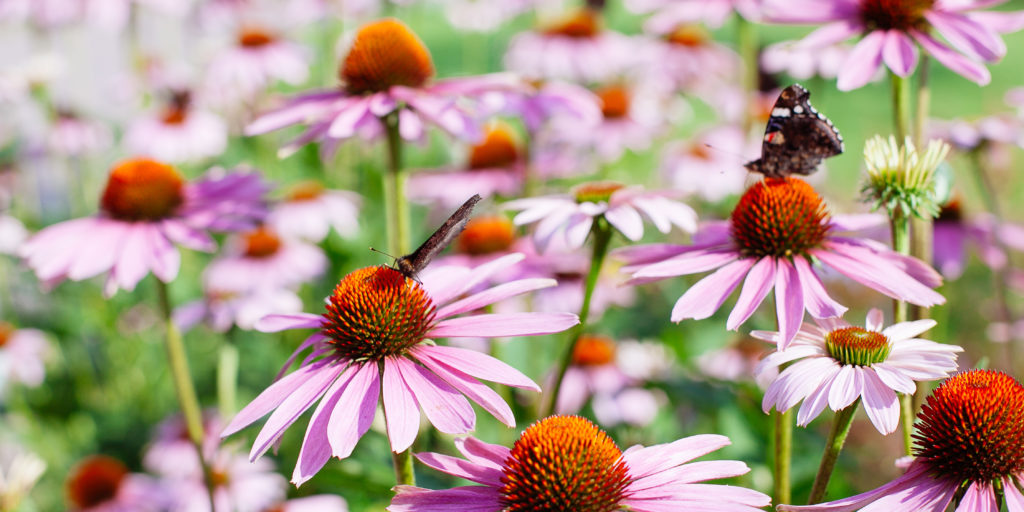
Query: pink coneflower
point(576, 49)
point(776, 229)
point(545, 100)
point(969, 447)
point(495, 166)
point(388, 70)
point(572, 215)
point(238, 485)
point(310, 210)
point(689, 60)
point(736, 362)
point(953, 232)
point(834, 363)
point(104, 484)
point(74, 136)
point(630, 119)
point(261, 259)
point(172, 453)
point(567, 463)
point(669, 14)
point(483, 15)
point(23, 354)
point(803, 63)
point(371, 342)
point(706, 165)
point(890, 29)
point(12, 233)
point(180, 133)
point(220, 310)
point(146, 208)
point(257, 59)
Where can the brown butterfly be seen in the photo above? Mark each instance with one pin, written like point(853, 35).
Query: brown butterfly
point(797, 137)
point(411, 264)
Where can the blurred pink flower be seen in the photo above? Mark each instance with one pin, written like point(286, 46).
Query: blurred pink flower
point(560, 461)
point(736, 362)
point(834, 363)
point(12, 233)
point(547, 100)
point(241, 72)
point(73, 136)
point(953, 233)
point(707, 165)
point(221, 310)
point(982, 133)
point(777, 230)
point(576, 49)
point(360, 353)
point(171, 452)
point(23, 354)
point(387, 70)
point(146, 208)
point(483, 15)
point(890, 29)
point(239, 485)
point(261, 259)
point(803, 63)
point(181, 133)
point(669, 14)
point(690, 61)
point(572, 215)
point(309, 211)
point(103, 484)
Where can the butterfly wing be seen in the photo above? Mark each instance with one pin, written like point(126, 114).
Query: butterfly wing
point(797, 137)
point(413, 263)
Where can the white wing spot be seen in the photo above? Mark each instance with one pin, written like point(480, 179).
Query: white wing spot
point(780, 112)
point(798, 109)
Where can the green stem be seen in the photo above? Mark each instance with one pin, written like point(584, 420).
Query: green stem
point(404, 473)
point(907, 409)
point(901, 243)
point(227, 375)
point(602, 233)
point(900, 105)
point(178, 361)
point(395, 206)
point(924, 99)
point(836, 438)
point(746, 41)
point(783, 435)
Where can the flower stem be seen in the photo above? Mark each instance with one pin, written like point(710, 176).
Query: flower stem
point(836, 438)
point(178, 361)
point(900, 225)
point(924, 99)
point(921, 229)
point(907, 409)
point(746, 41)
point(404, 473)
point(227, 375)
point(602, 233)
point(396, 208)
point(783, 434)
point(900, 105)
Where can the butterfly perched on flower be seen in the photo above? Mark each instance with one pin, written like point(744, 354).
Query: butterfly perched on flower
point(797, 137)
point(411, 264)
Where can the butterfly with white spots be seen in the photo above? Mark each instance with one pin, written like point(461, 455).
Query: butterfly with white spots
point(797, 137)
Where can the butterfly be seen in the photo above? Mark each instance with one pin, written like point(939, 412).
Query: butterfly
point(412, 263)
point(797, 137)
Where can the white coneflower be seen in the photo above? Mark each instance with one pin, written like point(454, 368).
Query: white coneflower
point(902, 179)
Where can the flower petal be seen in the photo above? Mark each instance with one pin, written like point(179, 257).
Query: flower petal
point(293, 406)
point(899, 53)
point(481, 366)
point(881, 404)
point(271, 397)
point(759, 282)
point(967, 35)
point(277, 323)
point(503, 324)
point(789, 301)
point(400, 408)
point(817, 301)
point(708, 294)
point(355, 408)
point(444, 407)
point(960, 64)
point(862, 62)
point(495, 294)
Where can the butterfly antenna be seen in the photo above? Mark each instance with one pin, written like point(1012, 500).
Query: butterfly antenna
point(384, 253)
point(740, 159)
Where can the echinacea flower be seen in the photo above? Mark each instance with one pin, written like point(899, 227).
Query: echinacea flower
point(23, 354)
point(703, 166)
point(777, 230)
point(893, 30)
point(146, 208)
point(373, 342)
point(221, 310)
point(804, 63)
point(483, 15)
point(260, 259)
point(572, 215)
point(567, 463)
point(104, 484)
point(239, 485)
point(180, 133)
point(387, 71)
point(669, 14)
point(630, 119)
point(953, 232)
point(309, 211)
point(495, 166)
point(545, 100)
point(689, 60)
point(834, 363)
point(968, 447)
point(239, 73)
point(74, 136)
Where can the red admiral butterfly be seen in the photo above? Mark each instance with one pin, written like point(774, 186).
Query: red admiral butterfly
point(411, 264)
point(797, 137)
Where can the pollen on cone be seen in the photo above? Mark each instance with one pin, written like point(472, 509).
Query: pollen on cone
point(95, 480)
point(614, 101)
point(385, 53)
point(486, 235)
point(780, 217)
point(584, 23)
point(498, 149)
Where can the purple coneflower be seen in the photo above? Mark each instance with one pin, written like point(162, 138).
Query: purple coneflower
point(221, 310)
point(373, 342)
point(483, 15)
point(388, 70)
point(777, 230)
point(969, 446)
point(572, 215)
point(568, 463)
point(180, 133)
point(258, 58)
point(669, 14)
point(689, 60)
point(23, 354)
point(890, 29)
point(262, 259)
point(146, 208)
point(705, 166)
point(104, 484)
point(834, 363)
point(309, 211)
point(953, 232)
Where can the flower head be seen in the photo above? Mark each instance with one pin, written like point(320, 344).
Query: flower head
point(100, 484)
point(834, 363)
point(890, 29)
point(968, 444)
point(258, 57)
point(568, 463)
point(146, 207)
point(901, 179)
point(779, 228)
point(374, 341)
point(180, 133)
point(23, 354)
point(309, 211)
point(261, 259)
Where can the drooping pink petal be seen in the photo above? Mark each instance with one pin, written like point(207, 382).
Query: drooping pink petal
point(798, 381)
point(1000, 22)
point(577, 228)
point(967, 35)
point(627, 220)
point(495, 294)
point(980, 497)
point(708, 294)
point(481, 366)
point(866, 267)
point(462, 468)
point(830, 34)
point(960, 64)
point(845, 387)
point(400, 408)
point(759, 282)
point(356, 405)
point(299, 110)
point(278, 322)
point(293, 406)
point(646, 461)
point(881, 404)
point(914, 482)
point(130, 266)
point(444, 407)
point(648, 253)
point(1014, 498)
point(503, 324)
point(453, 281)
point(817, 301)
point(473, 389)
point(271, 397)
point(862, 62)
point(688, 263)
point(789, 301)
point(893, 378)
point(899, 53)
point(105, 243)
point(345, 122)
point(473, 498)
point(316, 448)
point(814, 403)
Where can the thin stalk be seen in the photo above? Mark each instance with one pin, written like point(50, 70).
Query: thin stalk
point(921, 229)
point(178, 361)
point(396, 208)
point(746, 41)
point(836, 438)
point(783, 437)
point(900, 105)
point(901, 243)
point(908, 408)
point(602, 235)
point(924, 100)
point(227, 375)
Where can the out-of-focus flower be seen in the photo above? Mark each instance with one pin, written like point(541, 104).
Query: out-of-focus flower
point(669, 14)
point(567, 463)
point(12, 233)
point(691, 61)
point(546, 100)
point(20, 471)
point(495, 166)
point(103, 484)
point(572, 215)
point(146, 208)
point(309, 211)
point(834, 363)
point(319, 503)
point(803, 63)
point(736, 362)
point(890, 30)
point(900, 178)
point(74, 136)
point(706, 165)
point(967, 135)
point(576, 48)
point(371, 343)
point(172, 453)
point(953, 232)
point(630, 119)
point(968, 444)
point(260, 259)
point(777, 230)
point(221, 310)
point(180, 133)
point(387, 72)
point(23, 354)
point(483, 15)
point(239, 73)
